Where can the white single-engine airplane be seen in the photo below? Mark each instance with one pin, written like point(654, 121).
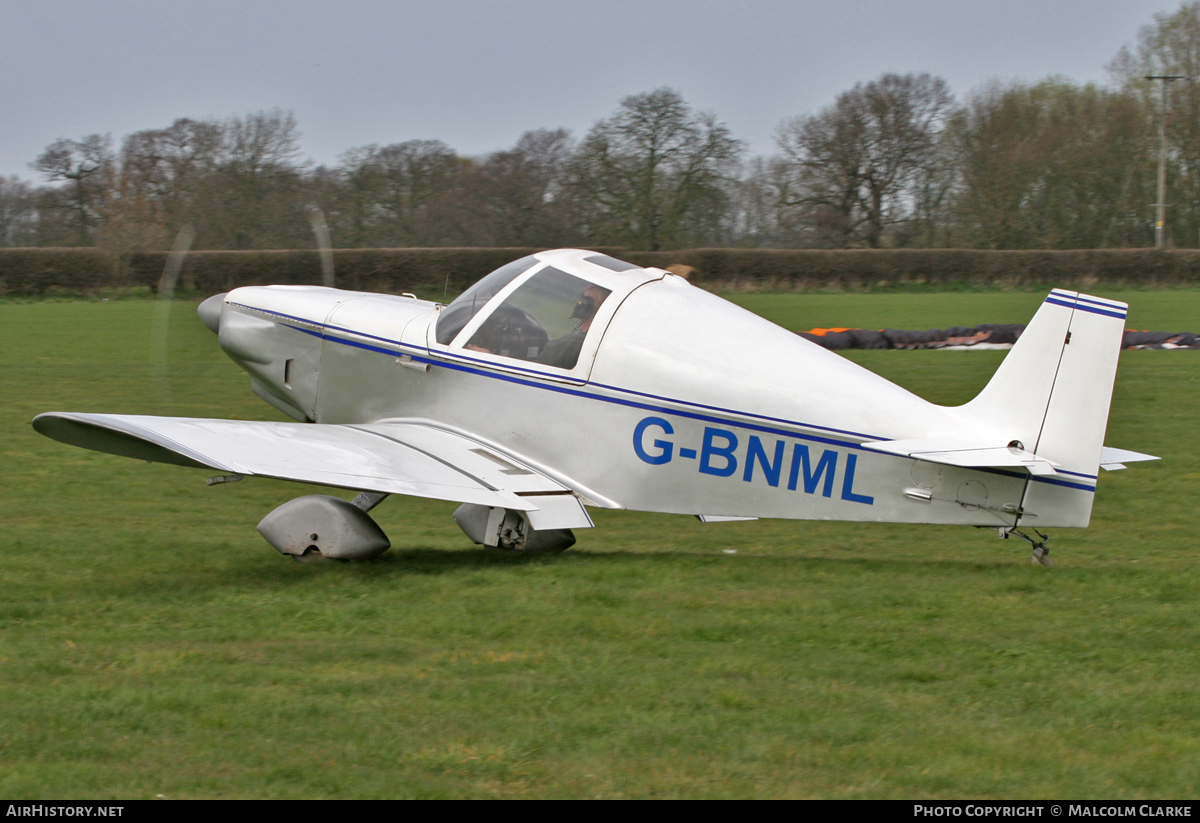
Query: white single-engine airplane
point(570, 379)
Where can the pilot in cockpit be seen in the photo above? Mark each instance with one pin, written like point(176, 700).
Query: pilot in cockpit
point(563, 352)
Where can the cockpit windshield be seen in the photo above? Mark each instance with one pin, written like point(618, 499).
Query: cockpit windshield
point(544, 321)
point(459, 313)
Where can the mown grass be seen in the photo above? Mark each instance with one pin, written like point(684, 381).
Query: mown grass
point(151, 643)
point(1156, 310)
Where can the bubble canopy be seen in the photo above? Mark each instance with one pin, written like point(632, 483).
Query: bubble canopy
point(467, 305)
point(540, 309)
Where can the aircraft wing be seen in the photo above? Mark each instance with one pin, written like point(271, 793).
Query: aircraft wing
point(956, 452)
point(394, 458)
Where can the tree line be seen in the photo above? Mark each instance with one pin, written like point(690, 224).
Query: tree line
point(898, 161)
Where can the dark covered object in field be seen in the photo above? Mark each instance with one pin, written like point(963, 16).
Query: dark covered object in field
point(1002, 332)
point(901, 339)
point(867, 339)
point(994, 334)
point(1160, 339)
point(830, 340)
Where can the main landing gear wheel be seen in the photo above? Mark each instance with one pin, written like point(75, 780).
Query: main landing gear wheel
point(510, 530)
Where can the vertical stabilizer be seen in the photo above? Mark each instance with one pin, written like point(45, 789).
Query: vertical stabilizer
point(1052, 393)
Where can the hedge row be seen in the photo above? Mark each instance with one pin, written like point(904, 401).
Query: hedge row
point(38, 271)
point(802, 269)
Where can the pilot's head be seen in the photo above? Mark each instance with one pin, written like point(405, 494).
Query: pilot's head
point(589, 302)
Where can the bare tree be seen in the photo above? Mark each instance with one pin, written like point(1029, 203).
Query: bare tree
point(255, 195)
point(1171, 46)
point(1051, 165)
point(654, 172)
point(85, 166)
point(519, 196)
point(753, 217)
point(168, 167)
point(388, 191)
point(239, 181)
point(18, 213)
point(856, 164)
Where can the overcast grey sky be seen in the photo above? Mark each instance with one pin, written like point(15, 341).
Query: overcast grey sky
point(478, 73)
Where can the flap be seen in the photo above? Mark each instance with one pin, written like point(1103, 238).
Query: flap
point(558, 511)
point(394, 458)
point(956, 452)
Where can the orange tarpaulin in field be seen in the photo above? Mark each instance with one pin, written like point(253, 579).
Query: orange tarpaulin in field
point(823, 332)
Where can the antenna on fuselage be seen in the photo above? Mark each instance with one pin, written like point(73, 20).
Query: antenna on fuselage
point(162, 308)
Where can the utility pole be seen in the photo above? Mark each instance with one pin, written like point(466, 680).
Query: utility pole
point(1162, 159)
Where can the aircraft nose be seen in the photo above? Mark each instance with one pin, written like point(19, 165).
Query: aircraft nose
point(210, 312)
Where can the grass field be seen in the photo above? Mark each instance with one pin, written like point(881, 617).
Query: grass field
point(152, 644)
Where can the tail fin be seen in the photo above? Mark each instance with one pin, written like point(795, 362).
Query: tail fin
point(1052, 393)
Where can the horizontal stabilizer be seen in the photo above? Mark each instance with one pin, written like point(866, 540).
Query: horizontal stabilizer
point(953, 451)
point(1114, 459)
point(392, 458)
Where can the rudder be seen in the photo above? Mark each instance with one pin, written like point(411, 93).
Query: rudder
point(1052, 393)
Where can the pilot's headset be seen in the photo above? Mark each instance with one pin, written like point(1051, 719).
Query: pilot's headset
point(585, 308)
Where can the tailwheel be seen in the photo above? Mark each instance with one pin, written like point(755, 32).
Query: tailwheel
point(1041, 554)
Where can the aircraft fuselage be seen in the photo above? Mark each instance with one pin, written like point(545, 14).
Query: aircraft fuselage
point(688, 405)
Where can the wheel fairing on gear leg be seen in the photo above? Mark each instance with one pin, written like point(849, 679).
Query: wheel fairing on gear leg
point(509, 530)
point(321, 527)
